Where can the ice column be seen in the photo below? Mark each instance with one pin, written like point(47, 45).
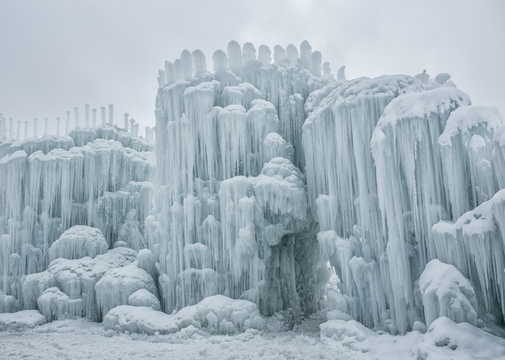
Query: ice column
point(11, 128)
point(26, 129)
point(132, 126)
point(18, 132)
point(162, 78)
point(292, 53)
point(35, 121)
point(178, 69)
point(234, 57)
point(46, 126)
point(264, 55)
point(279, 54)
point(170, 72)
point(199, 62)
point(316, 60)
point(220, 61)
point(305, 55)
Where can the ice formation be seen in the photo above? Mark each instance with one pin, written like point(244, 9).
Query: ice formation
point(266, 171)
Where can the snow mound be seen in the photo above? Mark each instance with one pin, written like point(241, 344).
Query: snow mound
point(21, 320)
point(75, 278)
point(143, 297)
point(345, 331)
point(56, 305)
point(215, 314)
point(78, 242)
point(446, 292)
point(116, 286)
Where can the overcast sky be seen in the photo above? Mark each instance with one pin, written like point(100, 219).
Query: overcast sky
point(58, 54)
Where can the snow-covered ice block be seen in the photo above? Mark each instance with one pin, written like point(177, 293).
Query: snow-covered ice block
point(143, 297)
point(21, 320)
point(116, 286)
point(215, 314)
point(446, 292)
point(77, 242)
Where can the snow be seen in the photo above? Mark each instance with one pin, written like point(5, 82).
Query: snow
point(21, 320)
point(78, 242)
point(446, 292)
point(143, 297)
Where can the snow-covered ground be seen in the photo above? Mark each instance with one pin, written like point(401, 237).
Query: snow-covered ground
point(83, 339)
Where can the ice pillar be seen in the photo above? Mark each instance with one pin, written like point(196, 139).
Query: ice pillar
point(187, 65)
point(126, 121)
point(86, 114)
point(76, 115)
point(93, 121)
point(18, 132)
point(11, 128)
point(220, 61)
point(132, 126)
point(46, 126)
point(104, 116)
point(234, 57)
point(67, 124)
point(35, 120)
point(26, 129)
point(111, 115)
point(199, 62)
point(58, 123)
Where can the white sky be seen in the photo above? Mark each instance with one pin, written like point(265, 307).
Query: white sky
point(57, 54)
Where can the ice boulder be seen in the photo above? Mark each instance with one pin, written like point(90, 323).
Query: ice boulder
point(345, 330)
point(116, 286)
point(143, 297)
point(446, 292)
point(78, 242)
point(21, 320)
point(215, 314)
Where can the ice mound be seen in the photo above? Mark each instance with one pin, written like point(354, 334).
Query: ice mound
point(21, 320)
point(76, 279)
point(446, 292)
point(345, 331)
point(143, 297)
point(215, 314)
point(78, 242)
point(116, 286)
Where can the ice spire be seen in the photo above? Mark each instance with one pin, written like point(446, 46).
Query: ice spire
point(264, 55)
point(249, 53)
point(67, 124)
point(279, 54)
point(58, 123)
point(170, 72)
point(326, 68)
point(316, 60)
point(35, 120)
point(199, 62)
point(341, 73)
point(187, 65)
point(305, 55)
point(76, 116)
point(292, 53)
point(93, 121)
point(162, 78)
point(111, 115)
point(103, 110)
point(137, 130)
point(132, 126)
point(46, 126)
point(220, 61)
point(18, 132)
point(178, 69)
point(234, 57)
point(86, 114)
point(126, 122)
point(26, 129)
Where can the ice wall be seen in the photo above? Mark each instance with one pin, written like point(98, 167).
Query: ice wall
point(231, 214)
point(97, 177)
